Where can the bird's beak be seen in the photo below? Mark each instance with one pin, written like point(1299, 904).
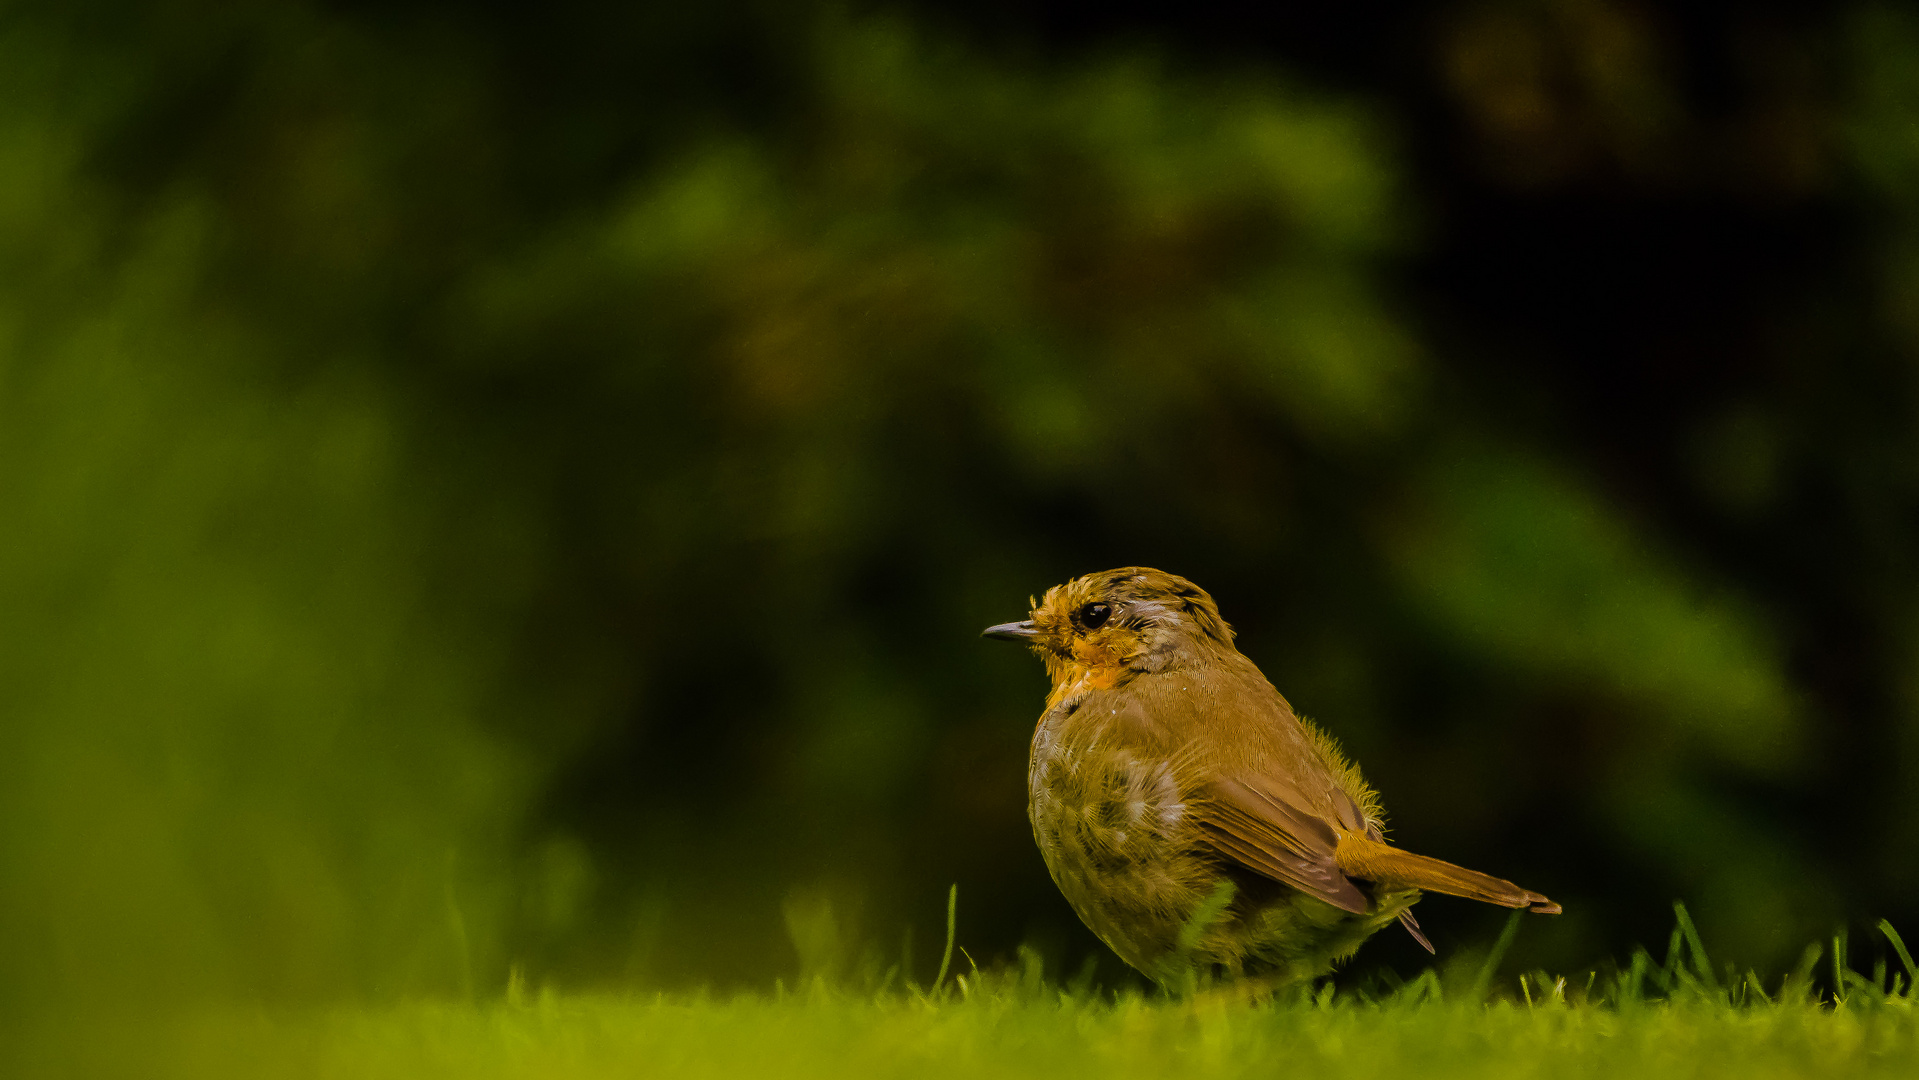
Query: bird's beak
point(1011, 631)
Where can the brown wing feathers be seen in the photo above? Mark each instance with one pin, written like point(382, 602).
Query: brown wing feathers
point(1278, 840)
point(1271, 836)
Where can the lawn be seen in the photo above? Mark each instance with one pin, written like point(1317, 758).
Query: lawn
point(1649, 1021)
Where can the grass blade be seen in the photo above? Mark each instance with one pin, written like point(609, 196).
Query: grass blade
point(1899, 946)
point(952, 924)
point(1484, 982)
point(1698, 949)
point(1840, 987)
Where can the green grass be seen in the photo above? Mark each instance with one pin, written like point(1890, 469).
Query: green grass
point(1646, 1021)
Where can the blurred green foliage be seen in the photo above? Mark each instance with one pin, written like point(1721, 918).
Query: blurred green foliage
point(476, 497)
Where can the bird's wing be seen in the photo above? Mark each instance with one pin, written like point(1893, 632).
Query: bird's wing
point(1269, 834)
point(1256, 819)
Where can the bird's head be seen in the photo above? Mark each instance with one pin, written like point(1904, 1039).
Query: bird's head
point(1134, 618)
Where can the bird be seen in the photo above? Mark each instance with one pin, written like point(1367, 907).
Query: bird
point(1197, 824)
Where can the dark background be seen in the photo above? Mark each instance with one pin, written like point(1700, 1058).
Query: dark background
point(496, 485)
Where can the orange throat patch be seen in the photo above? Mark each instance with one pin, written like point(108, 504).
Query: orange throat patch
point(1091, 668)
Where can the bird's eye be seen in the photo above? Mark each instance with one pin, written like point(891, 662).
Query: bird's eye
point(1094, 615)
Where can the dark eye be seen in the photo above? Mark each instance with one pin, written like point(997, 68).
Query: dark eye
point(1094, 615)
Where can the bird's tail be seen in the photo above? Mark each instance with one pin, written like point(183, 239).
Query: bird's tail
point(1369, 860)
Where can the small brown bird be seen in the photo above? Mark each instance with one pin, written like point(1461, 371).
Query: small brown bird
point(1191, 819)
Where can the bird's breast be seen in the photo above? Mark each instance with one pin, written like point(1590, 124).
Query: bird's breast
point(1111, 819)
point(1116, 793)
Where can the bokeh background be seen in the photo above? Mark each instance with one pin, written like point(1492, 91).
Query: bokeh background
point(496, 487)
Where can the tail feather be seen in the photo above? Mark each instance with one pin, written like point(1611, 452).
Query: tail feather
point(1412, 927)
point(1369, 860)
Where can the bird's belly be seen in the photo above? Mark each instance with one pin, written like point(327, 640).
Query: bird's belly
point(1113, 827)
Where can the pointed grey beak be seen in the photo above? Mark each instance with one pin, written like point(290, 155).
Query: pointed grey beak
point(1011, 631)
